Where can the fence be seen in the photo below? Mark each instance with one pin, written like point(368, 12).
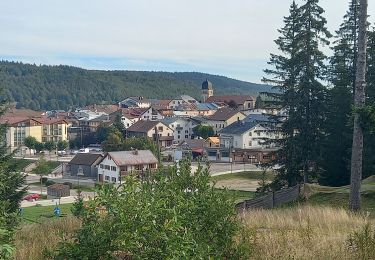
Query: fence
point(271, 200)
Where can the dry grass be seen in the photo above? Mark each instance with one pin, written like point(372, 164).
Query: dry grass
point(302, 232)
point(31, 240)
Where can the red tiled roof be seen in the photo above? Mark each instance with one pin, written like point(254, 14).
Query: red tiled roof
point(142, 126)
point(14, 120)
point(50, 121)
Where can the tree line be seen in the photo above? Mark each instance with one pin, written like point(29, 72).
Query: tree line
point(63, 87)
point(318, 93)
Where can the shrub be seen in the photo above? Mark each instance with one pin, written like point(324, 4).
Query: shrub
point(44, 180)
point(49, 183)
point(69, 184)
point(362, 242)
point(170, 214)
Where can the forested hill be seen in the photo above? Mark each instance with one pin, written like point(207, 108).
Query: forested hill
point(61, 87)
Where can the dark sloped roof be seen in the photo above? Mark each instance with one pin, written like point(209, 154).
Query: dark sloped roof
point(238, 127)
point(85, 158)
point(258, 118)
point(207, 85)
point(238, 99)
point(142, 126)
point(223, 114)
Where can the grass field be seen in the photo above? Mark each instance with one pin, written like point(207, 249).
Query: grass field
point(244, 175)
point(39, 214)
point(20, 164)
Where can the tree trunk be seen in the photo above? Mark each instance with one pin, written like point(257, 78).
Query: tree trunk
point(359, 102)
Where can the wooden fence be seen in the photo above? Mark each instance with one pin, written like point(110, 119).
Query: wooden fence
point(271, 200)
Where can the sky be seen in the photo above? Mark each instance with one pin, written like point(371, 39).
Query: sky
point(231, 38)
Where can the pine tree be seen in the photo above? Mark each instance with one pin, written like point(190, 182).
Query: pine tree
point(337, 144)
point(11, 194)
point(298, 74)
point(359, 103)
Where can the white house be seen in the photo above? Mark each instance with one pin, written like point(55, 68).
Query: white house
point(182, 127)
point(151, 114)
point(115, 165)
point(248, 135)
point(135, 102)
point(182, 100)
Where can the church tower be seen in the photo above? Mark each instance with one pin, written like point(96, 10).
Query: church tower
point(207, 90)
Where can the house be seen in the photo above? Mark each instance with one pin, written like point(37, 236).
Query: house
point(107, 109)
point(116, 165)
point(182, 127)
point(85, 163)
point(206, 109)
point(92, 124)
point(18, 129)
point(241, 102)
point(248, 135)
point(54, 129)
point(42, 129)
point(135, 102)
point(182, 100)
point(193, 147)
point(151, 114)
point(223, 118)
point(149, 129)
point(212, 141)
point(127, 118)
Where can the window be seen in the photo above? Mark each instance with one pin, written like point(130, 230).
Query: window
point(186, 136)
point(101, 166)
point(160, 128)
point(250, 134)
point(113, 168)
point(113, 179)
point(258, 133)
point(178, 137)
point(106, 178)
point(106, 167)
point(186, 131)
point(179, 132)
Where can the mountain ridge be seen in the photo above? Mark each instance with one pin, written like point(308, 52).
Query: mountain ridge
point(43, 87)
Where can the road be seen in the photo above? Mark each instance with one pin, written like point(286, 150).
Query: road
point(215, 170)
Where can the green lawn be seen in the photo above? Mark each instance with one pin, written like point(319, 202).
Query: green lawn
point(244, 175)
point(240, 195)
point(20, 164)
point(38, 214)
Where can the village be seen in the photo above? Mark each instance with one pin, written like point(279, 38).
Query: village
point(237, 134)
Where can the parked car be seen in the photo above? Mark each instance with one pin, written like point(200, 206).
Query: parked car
point(31, 197)
point(61, 152)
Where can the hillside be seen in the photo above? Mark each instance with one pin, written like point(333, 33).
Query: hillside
point(62, 87)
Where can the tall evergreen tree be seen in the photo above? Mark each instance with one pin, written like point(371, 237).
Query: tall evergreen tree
point(11, 193)
point(359, 103)
point(298, 74)
point(337, 144)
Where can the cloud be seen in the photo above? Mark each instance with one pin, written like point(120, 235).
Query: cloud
point(233, 38)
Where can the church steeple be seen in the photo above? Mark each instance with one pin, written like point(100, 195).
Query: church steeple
point(207, 90)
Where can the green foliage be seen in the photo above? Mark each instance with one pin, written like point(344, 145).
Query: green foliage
point(30, 142)
point(362, 243)
point(62, 145)
point(42, 167)
point(11, 194)
point(338, 140)
point(78, 208)
point(298, 73)
point(170, 215)
point(203, 131)
point(62, 87)
point(39, 147)
point(50, 146)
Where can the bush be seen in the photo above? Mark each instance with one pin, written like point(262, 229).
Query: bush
point(49, 183)
point(170, 214)
point(69, 184)
point(362, 242)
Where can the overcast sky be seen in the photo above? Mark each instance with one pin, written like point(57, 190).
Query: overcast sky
point(231, 38)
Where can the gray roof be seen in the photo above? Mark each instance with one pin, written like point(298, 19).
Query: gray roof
point(238, 127)
point(134, 157)
point(207, 106)
point(85, 158)
point(258, 118)
point(142, 126)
